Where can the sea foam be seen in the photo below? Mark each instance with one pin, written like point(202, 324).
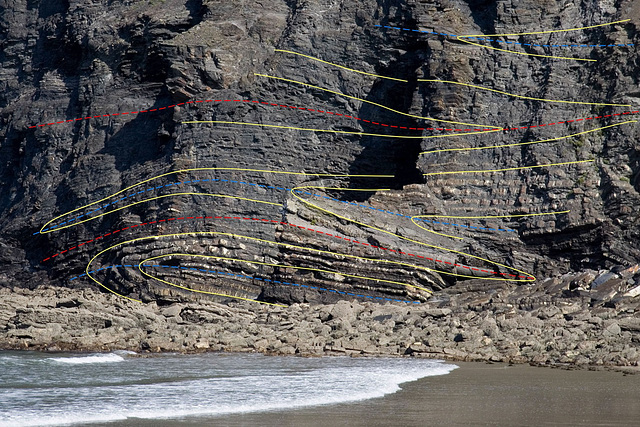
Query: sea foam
point(85, 360)
point(175, 386)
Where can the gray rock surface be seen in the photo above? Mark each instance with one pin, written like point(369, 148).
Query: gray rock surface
point(116, 71)
point(63, 60)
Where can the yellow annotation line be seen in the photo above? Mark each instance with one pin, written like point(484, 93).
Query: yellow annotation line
point(509, 169)
point(177, 286)
point(353, 70)
point(492, 216)
point(197, 290)
point(528, 143)
point(287, 245)
point(414, 218)
point(522, 96)
point(162, 197)
point(321, 270)
point(312, 205)
point(385, 261)
point(88, 267)
point(461, 38)
point(341, 132)
point(320, 175)
point(492, 128)
point(566, 30)
point(342, 66)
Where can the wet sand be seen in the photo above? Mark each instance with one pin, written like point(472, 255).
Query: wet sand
point(474, 394)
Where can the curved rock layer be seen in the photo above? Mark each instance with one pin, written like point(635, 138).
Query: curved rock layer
point(125, 76)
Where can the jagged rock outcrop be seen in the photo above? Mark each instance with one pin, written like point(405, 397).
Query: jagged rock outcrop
point(122, 68)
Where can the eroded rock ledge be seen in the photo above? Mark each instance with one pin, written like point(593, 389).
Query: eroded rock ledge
point(587, 319)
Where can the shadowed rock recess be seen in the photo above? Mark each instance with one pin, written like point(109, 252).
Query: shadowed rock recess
point(122, 77)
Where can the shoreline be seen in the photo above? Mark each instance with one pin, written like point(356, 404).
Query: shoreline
point(469, 394)
point(468, 327)
point(473, 394)
point(626, 370)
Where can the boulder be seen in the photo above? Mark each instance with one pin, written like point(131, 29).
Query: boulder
point(611, 329)
point(633, 292)
point(172, 310)
point(437, 312)
point(630, 324)
point(343, 310)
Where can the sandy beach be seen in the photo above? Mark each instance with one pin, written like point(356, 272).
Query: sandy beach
point(474, 394)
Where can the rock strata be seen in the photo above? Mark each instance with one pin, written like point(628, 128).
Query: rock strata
point(95, 96)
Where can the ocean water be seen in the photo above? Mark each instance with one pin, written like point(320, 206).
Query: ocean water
point(38, 389)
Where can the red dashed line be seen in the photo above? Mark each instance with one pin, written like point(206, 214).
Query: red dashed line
point(290, 225)
point(329, 112)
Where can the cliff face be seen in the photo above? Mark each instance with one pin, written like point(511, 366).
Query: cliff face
point(123, 76)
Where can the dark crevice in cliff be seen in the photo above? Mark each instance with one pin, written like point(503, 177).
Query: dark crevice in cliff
point(55, 51)
point(403, 13)
point(197, 11)
point(394, 156)
point(49, 7)
point(143, 60)
point(634, 163)
point(140, 140)
point(590, 246)
point(484, 14)
point(291, 19)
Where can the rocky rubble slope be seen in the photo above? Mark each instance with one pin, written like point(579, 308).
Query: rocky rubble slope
point(587, 319)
